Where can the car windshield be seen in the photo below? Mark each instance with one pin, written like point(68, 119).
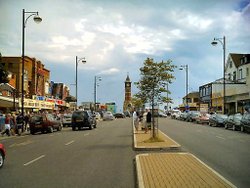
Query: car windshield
point(222, 116)
point(36, 118)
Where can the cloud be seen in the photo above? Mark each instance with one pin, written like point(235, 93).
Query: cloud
point(110, 71)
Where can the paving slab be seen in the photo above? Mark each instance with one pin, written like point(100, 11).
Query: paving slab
point(158, 170)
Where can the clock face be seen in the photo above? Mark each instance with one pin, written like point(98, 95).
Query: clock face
point(127, 84)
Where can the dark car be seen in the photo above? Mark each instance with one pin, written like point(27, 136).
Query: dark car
point(119, 115)
point(2, 155)
point(217, 120)
point(83, 119)
point(44, 123)
point(245, 122)
point(233, 121)
point(192, 115)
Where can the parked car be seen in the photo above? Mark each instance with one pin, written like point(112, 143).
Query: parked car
point(245, 122)
point(97, 116)
point(233, 121)
point(203, 118)
point(82, 119)
point(44, 123)
point(192, 115)
point(183, 116)
point(175, 114)
point(161, 114)
point(218, 120)
point(2, 155)
point(108, 116)
point(66, 120)
point(119, 115)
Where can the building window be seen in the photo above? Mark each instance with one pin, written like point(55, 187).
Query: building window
point(245, 59)
point(234, 76)
point(240, 74)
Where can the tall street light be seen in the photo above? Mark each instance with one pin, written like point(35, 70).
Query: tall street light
point(97, 78)
point(37, 19)
point(223, 43)
point(186, 68)
point(77, 61)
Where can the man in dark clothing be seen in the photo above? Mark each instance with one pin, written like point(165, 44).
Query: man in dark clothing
point(148, 121)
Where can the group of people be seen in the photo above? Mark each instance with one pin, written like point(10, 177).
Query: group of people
point(11, 124)
point(145, 119)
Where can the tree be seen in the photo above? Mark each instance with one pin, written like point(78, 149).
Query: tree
point(137, 102)
point(152, 84)
point(3, 72)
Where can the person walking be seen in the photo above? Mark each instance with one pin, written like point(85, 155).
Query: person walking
point(149, 116)
point(135, 120)
point(7, 125)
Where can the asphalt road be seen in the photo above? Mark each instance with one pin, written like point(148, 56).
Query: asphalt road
point(101, 157)
point(226, 151)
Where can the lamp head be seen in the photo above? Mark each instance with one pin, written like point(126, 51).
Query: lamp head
point(84, 61)
point(37, 19)
point(214, 43)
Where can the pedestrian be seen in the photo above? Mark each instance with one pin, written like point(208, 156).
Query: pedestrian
point(135, 120)
point(148, 120)
point(7, 125)
point(13, 124)
point(2, 121)
point(144, 120)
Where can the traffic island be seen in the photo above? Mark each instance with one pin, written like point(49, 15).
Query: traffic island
point(144, 141)
point(156, 170)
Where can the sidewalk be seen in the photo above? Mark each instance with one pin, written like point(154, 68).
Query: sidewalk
point(171, 169)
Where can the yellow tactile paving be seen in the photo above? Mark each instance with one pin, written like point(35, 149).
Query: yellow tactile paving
point(177, 170)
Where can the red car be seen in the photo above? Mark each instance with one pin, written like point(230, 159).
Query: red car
point(44, 123)
point(2, 155)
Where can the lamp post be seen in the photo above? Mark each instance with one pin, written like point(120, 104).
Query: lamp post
point(37, 19)
point(223, 43)
point(97, 78)
point(186, 68)
point(77, 61)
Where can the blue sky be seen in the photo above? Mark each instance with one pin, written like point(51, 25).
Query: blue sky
point(116, 37)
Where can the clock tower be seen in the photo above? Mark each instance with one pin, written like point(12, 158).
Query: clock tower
point(127, 105)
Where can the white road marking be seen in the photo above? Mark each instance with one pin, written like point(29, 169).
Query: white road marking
point(21, 144)
point(69, 143)
point(220, 137)
point(34, 160)
point(86, 134)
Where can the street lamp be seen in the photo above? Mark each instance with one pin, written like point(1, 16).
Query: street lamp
point(36, 19)
point(77, 61)
point(97, 78)
point(223, 43)
point(186, 68)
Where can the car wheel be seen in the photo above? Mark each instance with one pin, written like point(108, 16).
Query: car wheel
point(50, 129)
point(226, 127)
point(31, 131)
point(73, 128)
point(1, 159)
point(234, 128)
point(90, 126)
point(59, 128)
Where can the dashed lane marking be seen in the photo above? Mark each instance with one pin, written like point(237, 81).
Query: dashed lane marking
point(34, 160)
point(69, 143)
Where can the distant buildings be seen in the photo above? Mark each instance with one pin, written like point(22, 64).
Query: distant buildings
point(39, 92)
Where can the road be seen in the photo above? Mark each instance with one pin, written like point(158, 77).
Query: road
point(104, 157)
point(226, 151)
point(101, 157)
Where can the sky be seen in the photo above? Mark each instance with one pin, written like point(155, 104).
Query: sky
point(115, 37)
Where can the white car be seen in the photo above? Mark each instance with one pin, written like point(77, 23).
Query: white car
point(175, 114)
point(66, 120)
point(108, 116)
